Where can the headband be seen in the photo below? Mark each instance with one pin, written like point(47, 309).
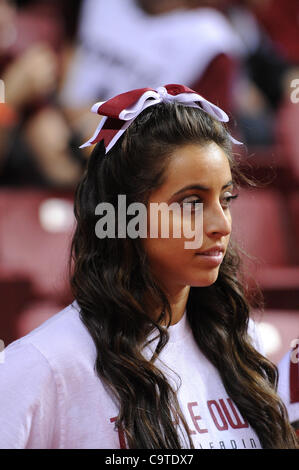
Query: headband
point(119, 112)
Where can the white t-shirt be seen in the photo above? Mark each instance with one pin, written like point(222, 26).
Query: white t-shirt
point(51, 397)
point(120, 47)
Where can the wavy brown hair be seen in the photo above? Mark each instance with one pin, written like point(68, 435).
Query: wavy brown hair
point(111, 278)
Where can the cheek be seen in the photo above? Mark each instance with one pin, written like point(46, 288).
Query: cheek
point(166, 254)
point(169, 259)
point(180, 227)
point(166, 238)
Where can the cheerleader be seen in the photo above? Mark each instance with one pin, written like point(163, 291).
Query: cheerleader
point(157, 350)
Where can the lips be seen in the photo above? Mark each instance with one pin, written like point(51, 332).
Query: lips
point(215, 251)
point(212, 257)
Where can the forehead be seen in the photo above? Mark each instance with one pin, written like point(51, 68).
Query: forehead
point(199, 164)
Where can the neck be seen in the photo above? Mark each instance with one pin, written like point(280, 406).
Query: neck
point(178, 300)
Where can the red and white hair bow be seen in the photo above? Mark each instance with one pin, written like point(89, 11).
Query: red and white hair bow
point(119, 112)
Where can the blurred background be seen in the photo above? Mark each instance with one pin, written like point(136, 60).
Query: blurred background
point(58, 57)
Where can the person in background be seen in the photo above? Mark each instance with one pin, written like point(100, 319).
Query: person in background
point(123, 44)
point(264, 106)
point(37, 143)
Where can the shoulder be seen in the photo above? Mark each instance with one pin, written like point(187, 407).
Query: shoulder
point(45, 376)
point(29, 405)
point(23, 363)
point(57, 341)
point(25, 376)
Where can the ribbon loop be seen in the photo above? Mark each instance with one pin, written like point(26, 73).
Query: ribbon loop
point(119, 112)
point(149, 98)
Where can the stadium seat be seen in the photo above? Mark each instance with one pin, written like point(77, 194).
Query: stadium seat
point(35, 239)
point(35, 236)
point(262, 229)
point(15, 292)
point(294, 210)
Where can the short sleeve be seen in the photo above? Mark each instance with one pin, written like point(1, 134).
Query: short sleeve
point(28, 399)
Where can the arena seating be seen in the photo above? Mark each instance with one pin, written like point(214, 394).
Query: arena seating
point(37, 227)
point(35, 235)
point(262, 227)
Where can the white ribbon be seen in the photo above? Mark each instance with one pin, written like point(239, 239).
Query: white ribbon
point(151, 98)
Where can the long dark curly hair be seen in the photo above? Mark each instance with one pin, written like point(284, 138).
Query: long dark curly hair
point(110, 279)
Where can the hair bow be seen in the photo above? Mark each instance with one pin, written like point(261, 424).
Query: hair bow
point(119, 112)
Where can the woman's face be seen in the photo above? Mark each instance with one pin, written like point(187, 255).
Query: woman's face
point(196, 174)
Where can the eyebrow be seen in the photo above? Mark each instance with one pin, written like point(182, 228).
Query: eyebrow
point(201, 187)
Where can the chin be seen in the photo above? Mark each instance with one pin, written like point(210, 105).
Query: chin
point(206, 283)
point(207, 280)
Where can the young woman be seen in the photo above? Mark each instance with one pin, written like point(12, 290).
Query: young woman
point(157, 351)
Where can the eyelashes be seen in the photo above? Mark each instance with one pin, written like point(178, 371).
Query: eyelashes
point(229, 199)
point(226, 201)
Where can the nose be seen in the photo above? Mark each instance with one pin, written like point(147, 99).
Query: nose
point(217, 221)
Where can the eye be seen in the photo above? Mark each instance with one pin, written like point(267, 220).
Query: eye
point(227, 200)
point(192, 200)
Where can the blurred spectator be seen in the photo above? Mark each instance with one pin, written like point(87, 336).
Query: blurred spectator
point(65, 13)
point(37, 145)
point(127, 44)
point(269, 30)
point(280, 18)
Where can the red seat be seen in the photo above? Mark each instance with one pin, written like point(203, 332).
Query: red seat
point(15, 291)
point(261, 229)
point(294, 210)
point(36, 228)
point(287, 134)
point(33, 242)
